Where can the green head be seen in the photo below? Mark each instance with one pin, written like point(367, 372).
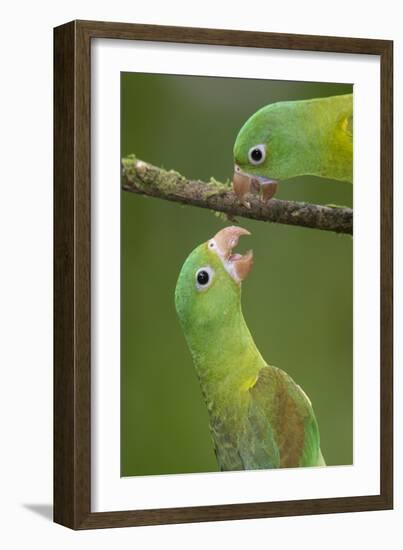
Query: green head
point(294, 138)
point(208, 291)
point(266, 143)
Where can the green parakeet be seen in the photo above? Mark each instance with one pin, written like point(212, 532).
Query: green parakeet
point(259, 417)
point(294, 138)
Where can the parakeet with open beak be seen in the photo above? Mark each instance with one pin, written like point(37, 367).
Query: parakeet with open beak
point(294, 138)
point(259, 417)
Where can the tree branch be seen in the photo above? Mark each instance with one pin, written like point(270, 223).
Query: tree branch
point(146, 179)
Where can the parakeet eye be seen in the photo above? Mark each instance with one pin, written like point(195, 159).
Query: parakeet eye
point(257, 154)
point(204, 277)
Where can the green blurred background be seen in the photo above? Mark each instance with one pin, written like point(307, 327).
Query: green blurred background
point(297, 301)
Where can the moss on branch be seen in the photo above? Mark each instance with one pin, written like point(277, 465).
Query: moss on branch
point(145, 179)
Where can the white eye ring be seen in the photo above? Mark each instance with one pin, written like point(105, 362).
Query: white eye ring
point(257, 154)
point(204, 277)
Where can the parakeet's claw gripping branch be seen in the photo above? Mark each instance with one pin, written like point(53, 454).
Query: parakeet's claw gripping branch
point(146, 179)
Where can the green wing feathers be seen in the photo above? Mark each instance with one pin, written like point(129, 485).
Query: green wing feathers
point(292, 436)
point(339, 163)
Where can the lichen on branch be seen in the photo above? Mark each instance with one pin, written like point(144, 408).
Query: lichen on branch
point(145, 179)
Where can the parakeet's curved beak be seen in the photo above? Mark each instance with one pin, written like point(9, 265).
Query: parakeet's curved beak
point(223, 243)
point(244, 183)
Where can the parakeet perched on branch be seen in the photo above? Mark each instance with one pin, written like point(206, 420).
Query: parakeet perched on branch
point(294, 138)
point(259, 417)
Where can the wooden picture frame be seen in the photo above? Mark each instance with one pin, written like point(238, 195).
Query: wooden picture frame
point(72, 271)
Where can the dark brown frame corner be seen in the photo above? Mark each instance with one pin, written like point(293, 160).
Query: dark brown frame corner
point(72, 296)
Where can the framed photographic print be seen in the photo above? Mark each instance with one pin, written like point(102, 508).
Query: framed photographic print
point(223, 330)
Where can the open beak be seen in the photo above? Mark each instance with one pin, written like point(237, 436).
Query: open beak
point(244, 183)
point(237, 265)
